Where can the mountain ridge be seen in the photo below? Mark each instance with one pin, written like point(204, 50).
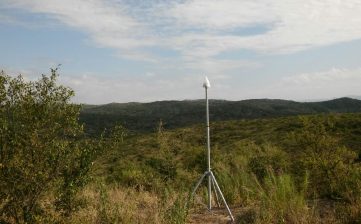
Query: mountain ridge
point(144, 117)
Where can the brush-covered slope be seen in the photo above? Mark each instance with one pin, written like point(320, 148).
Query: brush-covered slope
point(145, 116)
point(289, 168)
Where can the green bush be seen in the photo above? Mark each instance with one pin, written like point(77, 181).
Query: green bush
point(334, 172)
point(75, 175)
point(268, 157)
point(131, 174)
point(164, 167)
point(39, 145)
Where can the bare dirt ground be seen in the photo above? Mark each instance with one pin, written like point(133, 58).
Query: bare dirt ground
point(216, 216)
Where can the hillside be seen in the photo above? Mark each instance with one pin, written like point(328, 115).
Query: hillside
point(289, 168)
point(146, 116)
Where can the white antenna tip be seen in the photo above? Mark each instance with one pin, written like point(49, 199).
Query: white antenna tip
point(206, 83)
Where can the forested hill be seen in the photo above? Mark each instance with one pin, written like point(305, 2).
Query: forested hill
point(146, 116)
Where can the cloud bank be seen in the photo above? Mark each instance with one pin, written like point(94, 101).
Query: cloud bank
point(205, 28)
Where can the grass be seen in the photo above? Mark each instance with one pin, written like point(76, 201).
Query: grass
point(281, 202)
point(104, 204)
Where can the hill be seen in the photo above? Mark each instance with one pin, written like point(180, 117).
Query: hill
point(270, 170)
point(144, 117)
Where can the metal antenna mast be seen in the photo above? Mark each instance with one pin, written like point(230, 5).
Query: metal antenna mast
point(211, 178)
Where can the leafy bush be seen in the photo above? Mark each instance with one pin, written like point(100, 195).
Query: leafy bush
point(334, 172)
point(268, 157)
point(39, 145)
point(75, 175)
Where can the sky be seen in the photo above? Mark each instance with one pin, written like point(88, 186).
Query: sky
point(150, 50)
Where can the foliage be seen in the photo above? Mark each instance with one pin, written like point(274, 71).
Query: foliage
point(40, 145)
point(268, 157)
point(259, 164)
point(118, 133)
point(76, 174)
point(332, 167)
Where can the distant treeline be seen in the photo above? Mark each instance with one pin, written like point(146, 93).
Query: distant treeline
point(144, 117)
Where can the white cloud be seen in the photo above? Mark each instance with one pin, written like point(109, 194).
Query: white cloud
point(332, 83)
point(219, 66)
point(293, 25)
point(331, 76)
point(222, 15)
point(205, 28)
point(107, 22)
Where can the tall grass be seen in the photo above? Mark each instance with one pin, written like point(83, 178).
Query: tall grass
point(106, 204)
point(175, 206)
point(281, 202)
point(110, 204)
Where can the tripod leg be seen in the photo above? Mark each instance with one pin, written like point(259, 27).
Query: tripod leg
point(198, 183)
point(220, 192)
point(215, 192)
point(209, 192)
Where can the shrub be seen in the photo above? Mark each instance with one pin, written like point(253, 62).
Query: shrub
point(38, 144)
point(333, 169)
point(268, 157)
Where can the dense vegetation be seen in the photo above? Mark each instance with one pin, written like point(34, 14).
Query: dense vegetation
point(145, 116)
point(43, 149)
point(295, 169)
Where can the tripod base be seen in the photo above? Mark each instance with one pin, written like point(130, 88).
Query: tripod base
point(212, 181)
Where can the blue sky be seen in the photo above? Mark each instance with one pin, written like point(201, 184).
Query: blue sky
point(123, 50)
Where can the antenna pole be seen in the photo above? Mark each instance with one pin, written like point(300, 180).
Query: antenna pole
point(209, 173)
point(208, 154)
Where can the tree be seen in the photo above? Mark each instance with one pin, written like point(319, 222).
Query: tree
point(40, 145)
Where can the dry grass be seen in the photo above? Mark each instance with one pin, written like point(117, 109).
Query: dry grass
point(117, 205)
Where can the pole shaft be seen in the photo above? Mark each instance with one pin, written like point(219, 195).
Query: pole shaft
point(208, 155)
point(208, 135)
